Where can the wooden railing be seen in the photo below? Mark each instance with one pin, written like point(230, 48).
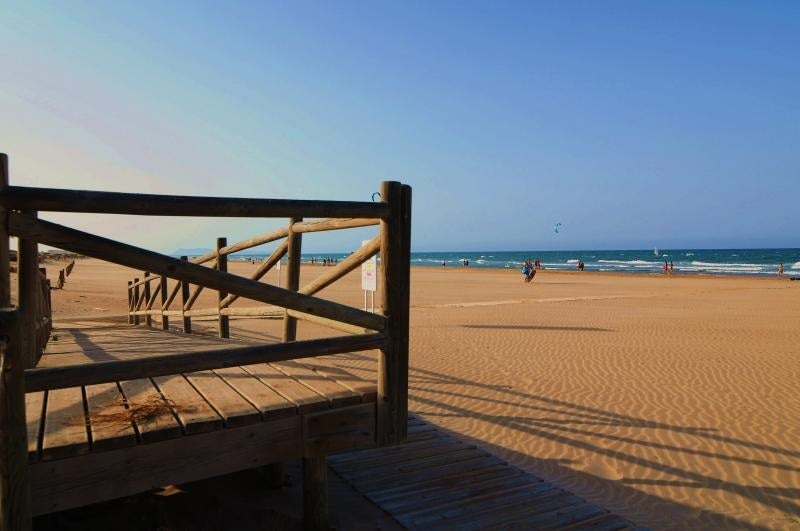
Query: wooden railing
point(387, 331)
point(151, 297)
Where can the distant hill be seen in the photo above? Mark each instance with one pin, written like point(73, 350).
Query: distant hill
point(193, 251)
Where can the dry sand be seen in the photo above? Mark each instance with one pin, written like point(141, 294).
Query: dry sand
point(674, 402)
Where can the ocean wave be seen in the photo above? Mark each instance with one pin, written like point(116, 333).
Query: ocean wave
point(795, 265)
point(631, 262)
point(731, 264)
point(572, 261)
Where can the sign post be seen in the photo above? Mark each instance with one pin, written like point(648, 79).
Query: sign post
point(369, 278)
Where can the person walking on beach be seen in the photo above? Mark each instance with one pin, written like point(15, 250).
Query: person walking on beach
point(665, 267)
point(671, 267)
point(780, 270)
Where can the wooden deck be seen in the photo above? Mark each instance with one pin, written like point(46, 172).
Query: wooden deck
point(437, 482)
point(226, 419)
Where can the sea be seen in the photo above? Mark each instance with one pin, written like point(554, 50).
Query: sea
point(751, 262)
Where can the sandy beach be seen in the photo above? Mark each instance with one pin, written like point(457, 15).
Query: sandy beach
point(672, 401)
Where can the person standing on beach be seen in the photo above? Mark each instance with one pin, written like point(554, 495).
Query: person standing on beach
point(665, 267)
point(671, 267)
point(780, 270)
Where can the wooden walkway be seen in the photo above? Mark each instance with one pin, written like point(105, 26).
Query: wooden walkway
point(436, 482)
point(284, 405)
point(432, 481)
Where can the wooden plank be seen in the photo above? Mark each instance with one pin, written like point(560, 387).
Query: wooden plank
point(467, 489)
point(568, 515)
point(305, 399)
point(407, 469)
point(135, 257)
point(110, 423)
point(109, 371)
point(192, 410)
point(400, 454)
point(315, 493)
point(271, 404)
point(336, 394)
point(61, 200)
point(470, 462)
point(64, 425)
point(34, 406)
point(353, 460)
point(488, 510)
point(293, 254)
point(434, 484)
point(366, 389)
point(152, 416)
point(68, 483)
point(482, 511)
point(230, 405)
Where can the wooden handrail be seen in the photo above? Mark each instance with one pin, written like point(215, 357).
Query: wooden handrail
point(120, 370)
point(142, 259)
point(95, 202)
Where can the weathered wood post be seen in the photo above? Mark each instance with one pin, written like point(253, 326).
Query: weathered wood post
point(395, 277)
point(61, 279)
point(294, 241)
point(315, 493)
point(164, 317)
point(148, 319)
point(28, 297)
point(15, 497)
point(187, 321)
point(222, 265)
point(135, 300)
point(130, 302)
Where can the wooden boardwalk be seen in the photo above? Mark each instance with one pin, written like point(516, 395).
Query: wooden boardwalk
point(436, 482)
point(432, 481)
point(284, 404)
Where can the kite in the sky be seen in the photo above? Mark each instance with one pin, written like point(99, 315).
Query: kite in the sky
point(556, 227)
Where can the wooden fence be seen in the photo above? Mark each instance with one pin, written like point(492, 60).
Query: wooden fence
point(20, 339)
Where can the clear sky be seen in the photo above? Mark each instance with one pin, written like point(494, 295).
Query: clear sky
point(635, 124)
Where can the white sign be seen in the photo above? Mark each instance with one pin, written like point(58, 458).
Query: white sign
point(369, 273)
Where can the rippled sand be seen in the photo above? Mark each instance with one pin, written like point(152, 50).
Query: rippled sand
point(672, 401)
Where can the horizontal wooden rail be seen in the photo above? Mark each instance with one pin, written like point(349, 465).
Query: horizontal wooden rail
point(244, 245)
point(121, 370)
point(332, 224)
point(60, 200)
point(137, 258)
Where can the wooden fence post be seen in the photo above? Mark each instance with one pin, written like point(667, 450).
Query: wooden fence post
point(131, 307)
point(135, 300)
point(393, 362)
point(222, 265)
point(28, 297)
point(148, 319)
point(315, 493)
point(5, 251)
point(164, 318)
point(294, 241)
point(15, 497)
point(187, 321)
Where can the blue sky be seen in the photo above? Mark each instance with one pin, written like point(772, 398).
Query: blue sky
point(635, 124)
